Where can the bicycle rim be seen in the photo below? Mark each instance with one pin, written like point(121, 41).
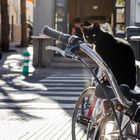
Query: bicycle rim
point(82, 127)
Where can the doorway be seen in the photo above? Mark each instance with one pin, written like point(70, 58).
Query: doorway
point(104, 11)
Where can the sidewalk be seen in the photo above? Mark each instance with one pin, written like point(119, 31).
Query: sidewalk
point(12, 61)
point(37, 107)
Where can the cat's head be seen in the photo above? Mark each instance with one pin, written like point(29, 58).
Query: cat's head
point(91, 33)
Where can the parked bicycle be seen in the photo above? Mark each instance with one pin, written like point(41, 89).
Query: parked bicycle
point(95, 118)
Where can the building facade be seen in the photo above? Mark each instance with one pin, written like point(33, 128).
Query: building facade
point(14, 18)
point(118, 13)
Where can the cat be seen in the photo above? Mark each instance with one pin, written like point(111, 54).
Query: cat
point(117, 53)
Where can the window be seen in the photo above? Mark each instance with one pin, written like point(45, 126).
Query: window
point(61, 15)
point(120, 16)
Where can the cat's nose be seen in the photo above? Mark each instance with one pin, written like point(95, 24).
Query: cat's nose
point(94, 35)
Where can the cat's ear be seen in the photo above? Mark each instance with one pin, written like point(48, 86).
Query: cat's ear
point(83, 28)
point(96, 25)
point(87, 27)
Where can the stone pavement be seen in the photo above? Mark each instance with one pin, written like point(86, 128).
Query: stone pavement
point(40, 106)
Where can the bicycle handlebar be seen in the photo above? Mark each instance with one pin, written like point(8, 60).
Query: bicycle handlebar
point(84, 47)
point(56, 34)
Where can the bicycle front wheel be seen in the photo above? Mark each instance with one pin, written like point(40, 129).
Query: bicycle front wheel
point(82, 120)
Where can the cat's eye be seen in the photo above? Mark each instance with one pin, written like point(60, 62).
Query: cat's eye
point(94, 35)
point(86, 36)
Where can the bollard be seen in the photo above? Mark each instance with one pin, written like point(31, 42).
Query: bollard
point(25, 70)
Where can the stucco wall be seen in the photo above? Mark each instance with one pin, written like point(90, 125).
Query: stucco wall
point(43, 15)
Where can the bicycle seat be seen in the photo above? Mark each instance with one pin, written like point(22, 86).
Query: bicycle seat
point(127, 93)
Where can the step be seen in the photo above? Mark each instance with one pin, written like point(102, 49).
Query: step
point(65, 62)
point(64, 59)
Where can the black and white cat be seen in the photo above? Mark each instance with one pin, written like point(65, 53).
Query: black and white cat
point(117, 53)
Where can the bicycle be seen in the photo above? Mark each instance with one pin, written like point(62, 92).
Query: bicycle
point(86, 115)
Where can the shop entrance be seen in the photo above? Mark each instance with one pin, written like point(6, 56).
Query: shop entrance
point(104, 11)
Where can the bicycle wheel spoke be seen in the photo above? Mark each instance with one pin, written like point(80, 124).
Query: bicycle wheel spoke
point(82, 123)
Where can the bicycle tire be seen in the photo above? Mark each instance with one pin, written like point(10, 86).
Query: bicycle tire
point(82, 131)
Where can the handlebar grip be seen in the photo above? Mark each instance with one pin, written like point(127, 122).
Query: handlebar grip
point(56, 34)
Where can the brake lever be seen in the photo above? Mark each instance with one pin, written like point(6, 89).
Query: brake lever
point(65, 53)
point(69, 53)
point(54, 48)
point(72, 46)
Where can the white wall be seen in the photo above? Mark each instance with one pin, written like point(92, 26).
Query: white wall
point(14, 12)
point(134, 12)
point(43, 15)
point(137, 11)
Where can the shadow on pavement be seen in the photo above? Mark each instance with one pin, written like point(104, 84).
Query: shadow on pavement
point(53, 89)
